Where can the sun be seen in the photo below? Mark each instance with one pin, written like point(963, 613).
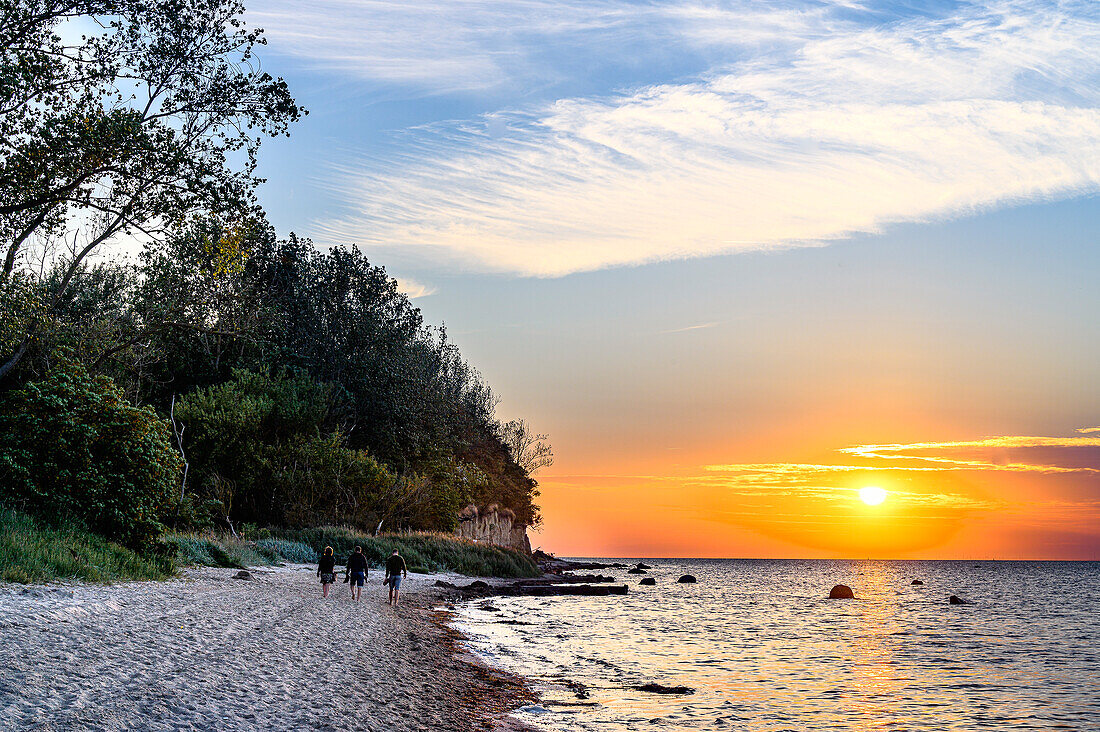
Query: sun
point(872, 495)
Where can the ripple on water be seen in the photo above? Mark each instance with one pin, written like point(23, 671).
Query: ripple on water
point(765, 650)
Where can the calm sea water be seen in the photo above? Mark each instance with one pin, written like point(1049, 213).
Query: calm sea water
point(764, 649)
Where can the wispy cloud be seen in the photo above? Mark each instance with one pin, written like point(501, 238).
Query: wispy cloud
point(453, 46)
point(989, 453)
point(844, 126)
point(686, 328)
point(414, 289)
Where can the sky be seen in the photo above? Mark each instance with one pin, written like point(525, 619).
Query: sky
point(738, 259)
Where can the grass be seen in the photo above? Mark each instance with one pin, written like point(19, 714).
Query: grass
point(423, 551)
point(33, 552)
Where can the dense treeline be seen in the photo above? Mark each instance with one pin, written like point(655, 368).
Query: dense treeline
point(224, 376)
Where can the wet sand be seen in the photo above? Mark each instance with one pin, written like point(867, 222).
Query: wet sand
point(207, 651)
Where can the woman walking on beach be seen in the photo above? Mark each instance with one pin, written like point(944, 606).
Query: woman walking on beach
point(357, 572)
point(326, 570)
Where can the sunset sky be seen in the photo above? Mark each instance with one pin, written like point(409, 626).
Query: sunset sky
point(739, 259)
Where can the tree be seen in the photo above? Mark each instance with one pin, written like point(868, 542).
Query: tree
point(131, 131)
point(531, 451)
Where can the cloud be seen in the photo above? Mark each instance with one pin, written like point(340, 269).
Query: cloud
point(414, 289)
point(686, 328)
point(454, 46)
point(1047, 454)
point(842, 127)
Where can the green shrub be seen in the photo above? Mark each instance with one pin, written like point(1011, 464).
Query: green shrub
point(290, 551)
point(75, 452)
point(215, 551)
point(32, 552)
point(423, 551)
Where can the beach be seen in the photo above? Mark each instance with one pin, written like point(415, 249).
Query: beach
point(209, 651)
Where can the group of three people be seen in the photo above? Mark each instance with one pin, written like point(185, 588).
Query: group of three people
point(356, 572)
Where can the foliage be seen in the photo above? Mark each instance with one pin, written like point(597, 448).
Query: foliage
point(33, 552)
point(270, 450)
point(302, 386)
point(291, 551)
point(423, 551)
point(213, 551)
point(75, 451)
point(130, 130)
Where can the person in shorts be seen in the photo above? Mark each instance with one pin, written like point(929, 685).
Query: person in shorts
point(357, 572)
point(395, 572)
point(326, 570)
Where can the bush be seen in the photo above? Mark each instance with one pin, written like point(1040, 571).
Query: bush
point(215, 551)
point(77, 453)
point(290, 551)
point(423, 551)
point(31, 552)
point(210, 550)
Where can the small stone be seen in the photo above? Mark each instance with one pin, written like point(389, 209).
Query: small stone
point(841, 592)
point(916, 582)
point(686, 579)
point(956, 600)
point(243, 574)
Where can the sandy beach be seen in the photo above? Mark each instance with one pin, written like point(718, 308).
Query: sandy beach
point(207, 651)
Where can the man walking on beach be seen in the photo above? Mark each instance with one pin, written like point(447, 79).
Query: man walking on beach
point(395, 572)
point(357, 572)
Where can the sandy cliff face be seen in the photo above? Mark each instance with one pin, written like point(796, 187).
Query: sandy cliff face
point(493, 525)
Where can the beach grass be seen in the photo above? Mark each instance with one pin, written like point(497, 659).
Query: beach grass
point(34, 552)
point(423, 551)
point(31, 551)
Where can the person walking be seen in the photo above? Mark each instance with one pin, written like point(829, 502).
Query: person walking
point(357, 572)
point(395, 572)
point(326, 570)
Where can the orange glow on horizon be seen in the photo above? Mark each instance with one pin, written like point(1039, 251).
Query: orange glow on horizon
point(978, 503)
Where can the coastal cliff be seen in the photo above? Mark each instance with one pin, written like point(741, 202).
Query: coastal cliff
point(493, 525)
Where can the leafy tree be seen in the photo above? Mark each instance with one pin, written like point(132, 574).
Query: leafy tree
point(131, 131)
point(74, 450)
point(272, 451)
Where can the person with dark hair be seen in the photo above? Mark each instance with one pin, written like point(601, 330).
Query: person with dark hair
point(395, 572)
point(357, 572)
point(326, 570)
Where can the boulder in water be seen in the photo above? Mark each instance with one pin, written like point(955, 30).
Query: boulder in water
point(841, 592)
point(956, 600)
point(648, 581)
point(661, 689)
point(916, 582)
point(635, 571)
point(639, 565)
point(686, 579)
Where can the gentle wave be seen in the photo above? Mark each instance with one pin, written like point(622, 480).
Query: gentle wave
point(764, 649)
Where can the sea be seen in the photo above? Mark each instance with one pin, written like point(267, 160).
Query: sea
point(761, 647)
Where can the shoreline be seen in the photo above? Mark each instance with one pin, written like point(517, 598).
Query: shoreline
point(208, 650)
